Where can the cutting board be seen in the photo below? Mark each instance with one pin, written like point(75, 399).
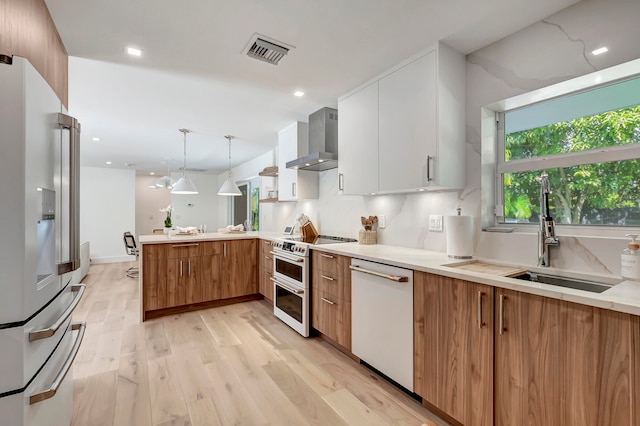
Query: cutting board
point(487, 268)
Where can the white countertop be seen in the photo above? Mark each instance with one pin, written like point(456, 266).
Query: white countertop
point(622, 297)
point(208, 236)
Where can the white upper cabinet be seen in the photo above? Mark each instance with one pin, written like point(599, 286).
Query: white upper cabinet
point(294, 185)
point(358, 141)
point(405, 131)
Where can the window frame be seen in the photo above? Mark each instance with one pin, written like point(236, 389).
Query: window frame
point(494, 164)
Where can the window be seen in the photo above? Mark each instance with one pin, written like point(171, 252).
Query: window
point(589, 144)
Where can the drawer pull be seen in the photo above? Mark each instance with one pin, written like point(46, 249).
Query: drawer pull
point(267, 257)
point(328, 256)
point(51, 330)
point(328, 301)
point(501, 315)
point(480, 324)
point(50, 393)
point(185, 245)
point(327, 278)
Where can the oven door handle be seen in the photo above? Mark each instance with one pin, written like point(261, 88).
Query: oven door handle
point(287, 287)
point(284, 256)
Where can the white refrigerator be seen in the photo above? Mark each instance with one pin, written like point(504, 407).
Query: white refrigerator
point(39, 250)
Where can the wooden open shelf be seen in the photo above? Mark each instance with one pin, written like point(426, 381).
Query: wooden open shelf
point(269, 171)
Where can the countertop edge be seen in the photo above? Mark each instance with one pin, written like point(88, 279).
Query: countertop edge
point(623, 297)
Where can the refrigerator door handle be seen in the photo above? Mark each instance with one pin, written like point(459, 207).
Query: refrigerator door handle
point(51, 391)
point(70, 123)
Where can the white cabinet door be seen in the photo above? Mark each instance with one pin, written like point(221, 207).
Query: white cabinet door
point(358, 142)
point(408, 125)
point(294, 185)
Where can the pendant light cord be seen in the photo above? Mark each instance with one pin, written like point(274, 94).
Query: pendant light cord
point(229, 137)
point(184, 162)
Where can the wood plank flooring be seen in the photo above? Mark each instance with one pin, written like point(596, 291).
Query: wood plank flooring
point(231, 365)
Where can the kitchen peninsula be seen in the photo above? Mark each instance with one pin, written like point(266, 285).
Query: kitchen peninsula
point(179, 273)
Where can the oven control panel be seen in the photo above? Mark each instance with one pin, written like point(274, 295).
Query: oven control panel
point(291, 247)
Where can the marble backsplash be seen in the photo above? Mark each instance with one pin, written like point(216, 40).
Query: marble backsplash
point(552, 50)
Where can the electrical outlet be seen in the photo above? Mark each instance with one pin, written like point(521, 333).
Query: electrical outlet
point(382, 221)
point(435, 222)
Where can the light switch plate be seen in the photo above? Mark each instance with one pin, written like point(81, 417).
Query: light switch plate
point(382, 221)
point(435, 222)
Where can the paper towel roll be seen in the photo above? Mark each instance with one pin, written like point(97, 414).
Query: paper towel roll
point(459, 231)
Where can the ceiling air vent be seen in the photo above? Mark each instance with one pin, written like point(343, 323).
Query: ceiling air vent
point(266, 49)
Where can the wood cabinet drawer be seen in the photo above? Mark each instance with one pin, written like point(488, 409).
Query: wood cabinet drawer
point(265, 258)
point(266, 285)
point(172, 251)
point(330, 263)
point(335, 286)
point(332, 317)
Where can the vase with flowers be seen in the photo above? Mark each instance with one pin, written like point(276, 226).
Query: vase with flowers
point(167, 221)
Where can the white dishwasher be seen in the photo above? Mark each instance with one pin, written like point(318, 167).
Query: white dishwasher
point(382, 319)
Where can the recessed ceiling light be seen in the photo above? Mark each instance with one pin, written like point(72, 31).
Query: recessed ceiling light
point(108, 162)
point(599, 51)
point(134, 51)
point(152, 173)
point(95, 139)
point(298, 93)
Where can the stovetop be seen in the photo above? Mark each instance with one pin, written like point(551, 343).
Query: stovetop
point(322, 239)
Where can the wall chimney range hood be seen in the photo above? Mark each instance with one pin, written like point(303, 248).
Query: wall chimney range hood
point(323, 142)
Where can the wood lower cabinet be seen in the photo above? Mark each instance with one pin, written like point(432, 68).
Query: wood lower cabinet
point(453, 345)
point(231, 268)
point(184, 274)
point(562, 363)
point(265, 260)
point(331, 297)
point(172, 275)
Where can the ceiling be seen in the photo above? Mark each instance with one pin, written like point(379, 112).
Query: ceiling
point(193, 73)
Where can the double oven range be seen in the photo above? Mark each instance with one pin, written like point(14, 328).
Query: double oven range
point(291, 280)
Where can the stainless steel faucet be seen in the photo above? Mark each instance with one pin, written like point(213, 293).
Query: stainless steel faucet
point(547, 232)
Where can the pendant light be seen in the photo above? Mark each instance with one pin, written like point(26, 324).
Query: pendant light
point(165, 181)
point(229, 187)
point(184, 184)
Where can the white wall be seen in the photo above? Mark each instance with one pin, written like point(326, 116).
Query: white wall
point(107, 210)
point(550, 51)
point(148, 203)
point(198, 209)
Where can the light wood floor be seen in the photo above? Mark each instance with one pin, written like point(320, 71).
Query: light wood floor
point(233, 365)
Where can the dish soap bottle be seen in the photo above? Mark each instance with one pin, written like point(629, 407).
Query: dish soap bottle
point(630, 260)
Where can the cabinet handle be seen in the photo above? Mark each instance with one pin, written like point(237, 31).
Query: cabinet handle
point(328, 256)
point(189, 267)
point(181, 268)
point(327, 278)
point(267, 243)
point(185, 245)
point(480, 324)
point(293, 189)
point(267, 257)
point(501, 315)
point(340, 182)
point(328, 301)
point(429, 178)
point(224, 247)
point(267, 273)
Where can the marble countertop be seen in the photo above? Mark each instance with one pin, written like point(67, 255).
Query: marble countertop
point(207, 236)
point(623, 296)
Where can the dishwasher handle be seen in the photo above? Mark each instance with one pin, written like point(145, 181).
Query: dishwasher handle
point(396, 278)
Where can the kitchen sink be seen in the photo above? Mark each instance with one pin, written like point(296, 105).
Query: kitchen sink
point(577, 284)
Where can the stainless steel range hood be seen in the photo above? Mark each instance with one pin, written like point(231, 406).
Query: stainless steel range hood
point(323, 142)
